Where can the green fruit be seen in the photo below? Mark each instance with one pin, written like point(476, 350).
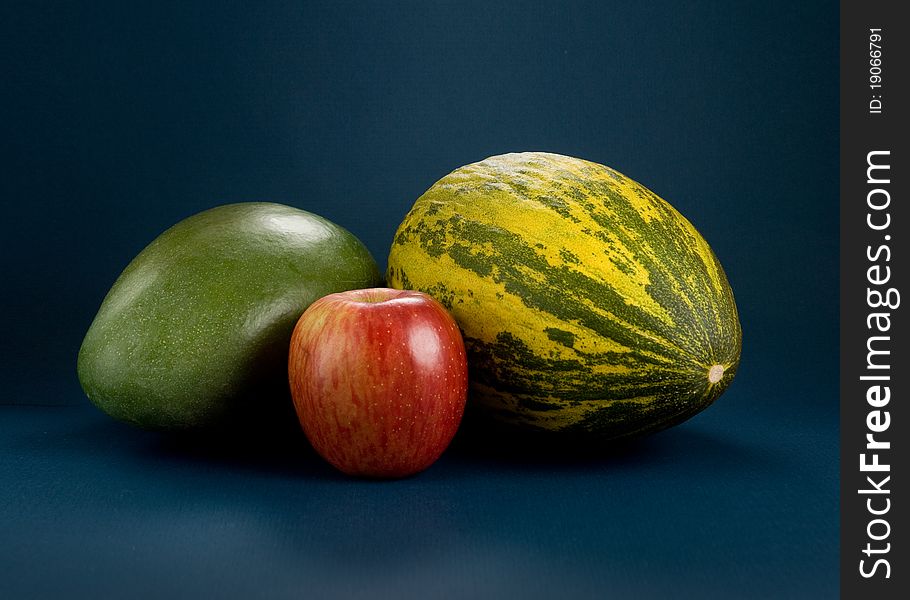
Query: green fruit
point(195, 331)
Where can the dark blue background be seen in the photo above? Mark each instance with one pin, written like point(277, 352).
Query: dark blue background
point(119, 119)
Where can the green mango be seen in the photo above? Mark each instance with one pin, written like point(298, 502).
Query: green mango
point(195, 332)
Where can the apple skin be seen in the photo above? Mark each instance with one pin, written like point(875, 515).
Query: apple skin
point(379, 379)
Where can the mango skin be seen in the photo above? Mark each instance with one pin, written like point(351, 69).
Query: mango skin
point(195, 332)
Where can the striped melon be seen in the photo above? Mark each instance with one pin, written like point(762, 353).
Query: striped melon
point(587, 303)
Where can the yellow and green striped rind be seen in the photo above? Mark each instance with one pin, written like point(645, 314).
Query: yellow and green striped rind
point(587, 303)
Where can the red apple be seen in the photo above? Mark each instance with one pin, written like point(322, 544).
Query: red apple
point(379, 380)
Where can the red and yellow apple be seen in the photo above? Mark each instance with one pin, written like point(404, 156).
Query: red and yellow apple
point(379, 380)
